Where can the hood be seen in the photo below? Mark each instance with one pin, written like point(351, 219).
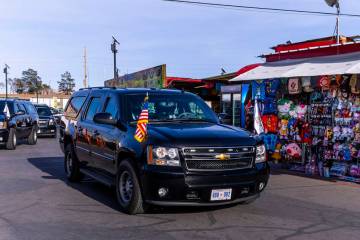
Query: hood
point(196, 134)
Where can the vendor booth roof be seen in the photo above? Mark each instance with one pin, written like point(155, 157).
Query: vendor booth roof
point(329, 65)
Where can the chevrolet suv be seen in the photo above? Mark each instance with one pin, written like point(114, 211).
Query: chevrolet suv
point(18, 120)
point(187, 159)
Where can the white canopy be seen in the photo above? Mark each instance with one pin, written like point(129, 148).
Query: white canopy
point(328, 65)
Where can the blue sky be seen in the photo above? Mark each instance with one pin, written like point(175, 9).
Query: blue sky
point(49, 36)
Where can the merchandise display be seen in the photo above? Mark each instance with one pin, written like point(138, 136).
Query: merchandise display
point(312, 124)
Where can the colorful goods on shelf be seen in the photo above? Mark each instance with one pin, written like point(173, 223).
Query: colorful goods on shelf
point(312, 124)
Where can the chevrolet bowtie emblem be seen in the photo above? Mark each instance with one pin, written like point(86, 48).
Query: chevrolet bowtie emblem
point(222, 157)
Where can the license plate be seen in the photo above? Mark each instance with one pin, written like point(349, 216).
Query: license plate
point(220, 194)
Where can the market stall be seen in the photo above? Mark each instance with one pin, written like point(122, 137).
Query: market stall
point(310, 113)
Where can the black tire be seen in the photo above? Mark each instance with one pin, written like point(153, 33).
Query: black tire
point(32, 139)
point(12, 140)
point(71, 165)
point(126, 178)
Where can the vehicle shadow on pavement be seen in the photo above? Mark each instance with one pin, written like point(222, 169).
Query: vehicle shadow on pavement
point(53, 167)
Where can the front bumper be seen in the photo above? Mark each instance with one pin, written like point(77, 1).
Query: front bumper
point(4, 135)
point(194, 188)
point(47, 131)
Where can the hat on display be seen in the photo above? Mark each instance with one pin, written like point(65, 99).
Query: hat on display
point(306, 84)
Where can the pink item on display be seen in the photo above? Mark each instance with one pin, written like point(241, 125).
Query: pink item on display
point(293, 150)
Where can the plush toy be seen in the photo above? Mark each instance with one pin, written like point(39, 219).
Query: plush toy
point(293, 150)
point(292, 111)
point(283, 128)
point(301, 111)
point(284, 107)
point(276, 155)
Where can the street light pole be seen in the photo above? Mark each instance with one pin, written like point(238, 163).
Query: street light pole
point(6, 80)
point(114, 50)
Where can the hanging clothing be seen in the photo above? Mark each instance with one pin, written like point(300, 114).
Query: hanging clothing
point(258, 90)
point(270, 123)
point(272, 86)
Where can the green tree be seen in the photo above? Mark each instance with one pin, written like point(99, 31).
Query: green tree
point(32, 81)
point(17, 85)
point(67, 83)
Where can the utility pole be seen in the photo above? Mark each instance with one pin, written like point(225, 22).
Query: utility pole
point(85, 82)
point(114, 50)
point(37, 90)
point(6, 80)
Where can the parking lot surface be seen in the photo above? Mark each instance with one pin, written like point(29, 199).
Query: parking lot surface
point(36, 202)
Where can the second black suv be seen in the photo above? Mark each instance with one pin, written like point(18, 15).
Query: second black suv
point(47, 123)
point(18, 120)
point(188, 158)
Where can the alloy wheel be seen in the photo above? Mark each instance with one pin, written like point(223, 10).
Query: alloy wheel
point(126, 187)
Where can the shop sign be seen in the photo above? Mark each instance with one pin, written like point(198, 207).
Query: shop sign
point(148, 78)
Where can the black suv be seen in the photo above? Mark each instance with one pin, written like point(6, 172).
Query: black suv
point(188, 158)
point(47, 123)
point(18, 120)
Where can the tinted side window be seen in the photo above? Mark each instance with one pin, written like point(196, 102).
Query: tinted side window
point(112, 107)
point(94, 108)
point(74, 106)
point(21, 107)
point(30, 108)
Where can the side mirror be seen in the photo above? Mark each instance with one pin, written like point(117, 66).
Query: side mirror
point(105, 118)
point(20, 112)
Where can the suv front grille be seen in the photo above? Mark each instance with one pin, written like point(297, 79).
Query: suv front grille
point(43, 123)
point(212, 159)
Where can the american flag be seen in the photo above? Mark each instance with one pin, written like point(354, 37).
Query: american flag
point(141, 127)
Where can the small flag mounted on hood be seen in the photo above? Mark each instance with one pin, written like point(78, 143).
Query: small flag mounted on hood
point(6, 110)
point(141, 127)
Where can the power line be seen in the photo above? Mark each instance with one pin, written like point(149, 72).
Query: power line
point(262, 8)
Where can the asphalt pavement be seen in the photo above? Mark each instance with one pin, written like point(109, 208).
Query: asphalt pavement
point(36, 202)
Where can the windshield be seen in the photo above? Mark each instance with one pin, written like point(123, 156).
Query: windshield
point(169, 107)
point(43, 111)
point(10, 106)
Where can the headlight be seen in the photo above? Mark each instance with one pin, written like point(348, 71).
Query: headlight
point(260, 154)
point(162, 156)
point(2, 125)
point(51, 122)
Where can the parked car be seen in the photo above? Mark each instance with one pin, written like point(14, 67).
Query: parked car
point(188, 158)
point(18, 120)
point(47, 123)
point(57, 113)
